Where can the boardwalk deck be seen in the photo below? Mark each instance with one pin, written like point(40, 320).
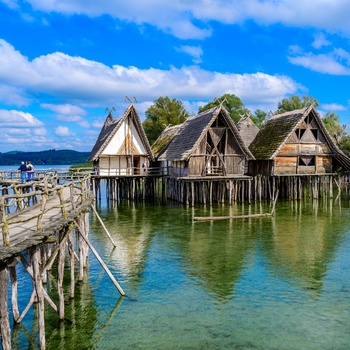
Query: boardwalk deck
point(25, 234)
point(37, 221)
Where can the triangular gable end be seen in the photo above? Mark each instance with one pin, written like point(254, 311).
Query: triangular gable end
point(216, 135)
point(128, 147)
point(239, 143)
point(126, 140)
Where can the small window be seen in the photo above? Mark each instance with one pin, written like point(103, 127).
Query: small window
point(315, 133)
point(306, 161)
point(300, 133)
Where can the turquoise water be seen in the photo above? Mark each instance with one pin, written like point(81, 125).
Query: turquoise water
point(268, 283)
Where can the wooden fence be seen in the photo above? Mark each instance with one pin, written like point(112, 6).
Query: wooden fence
point(19, 198)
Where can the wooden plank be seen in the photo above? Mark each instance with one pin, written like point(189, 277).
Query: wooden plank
point(210, 218)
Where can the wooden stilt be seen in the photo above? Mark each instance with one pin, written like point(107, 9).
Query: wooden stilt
point(14, 293)
point(39, 294)
point(71, 263)
point(60, 274)
point(4, 317)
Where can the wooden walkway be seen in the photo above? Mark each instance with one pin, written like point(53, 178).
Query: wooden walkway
point(38, 221)
point(34, 212)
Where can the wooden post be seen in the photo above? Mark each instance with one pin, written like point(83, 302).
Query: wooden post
point(211, 193)
point(103, 225)
point(4, 317)
point(100, 260)
point(43, 204)
point(71, 260)
point(192, 193)
point(62, 203)
point(39, 294)
point(60, 274)
point(5, 229)
point(14, 293)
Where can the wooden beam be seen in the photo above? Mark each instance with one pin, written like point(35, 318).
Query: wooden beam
point(100, 260)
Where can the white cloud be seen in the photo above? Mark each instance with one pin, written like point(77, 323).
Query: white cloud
point(66, 109)
point(189, 19)
point(320, 41)
point(195, 52)
point(76, 80)
point(10, 3)
point(333, 107)
point(13, 95)
point(329, 63)
point(74, 119)
point(63, 131)
point(18, 118)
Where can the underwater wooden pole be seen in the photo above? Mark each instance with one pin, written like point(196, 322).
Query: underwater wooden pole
point(100, 260)
point(103, 225)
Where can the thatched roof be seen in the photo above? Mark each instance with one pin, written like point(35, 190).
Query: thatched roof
point(192, 131)
point(247, 129)
point(162, 142)
point(110, 128)
point(277, 129)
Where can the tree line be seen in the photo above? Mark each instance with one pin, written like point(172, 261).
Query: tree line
point(166, 112)
point(49, 157)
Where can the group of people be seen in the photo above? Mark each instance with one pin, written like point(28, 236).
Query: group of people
point(27, 171)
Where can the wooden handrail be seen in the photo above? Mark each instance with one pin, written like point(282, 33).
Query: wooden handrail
point(79, 192)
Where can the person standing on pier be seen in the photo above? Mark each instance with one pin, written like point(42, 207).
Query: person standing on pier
point(30, 171)
point(23, 170)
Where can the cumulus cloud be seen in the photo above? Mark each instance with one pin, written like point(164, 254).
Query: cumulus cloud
point(63, 131)
point(335, 62)
point(13, 95)
point(18, 118)
point(77, 80)
point(195, 52)
point(320, 41)
point(74, 119)
point(333, 107)
point(189, 19)
point(66, 109)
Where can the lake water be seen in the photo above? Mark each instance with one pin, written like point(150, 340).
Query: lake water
point(37, 167)
point(268, 283)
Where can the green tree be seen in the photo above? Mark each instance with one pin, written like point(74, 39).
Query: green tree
point(295, 102)
point(164, 112)
point(332, 123)
point(259, 117)
point(232, 103)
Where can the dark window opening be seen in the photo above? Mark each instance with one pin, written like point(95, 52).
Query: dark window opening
point(306, 161)
point(315, 133)
point(300, 133)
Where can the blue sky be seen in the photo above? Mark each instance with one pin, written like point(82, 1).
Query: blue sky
point(63, 62)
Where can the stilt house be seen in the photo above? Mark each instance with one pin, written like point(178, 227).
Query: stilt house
point(122, 146)
point(208, 144)
point(296, 142)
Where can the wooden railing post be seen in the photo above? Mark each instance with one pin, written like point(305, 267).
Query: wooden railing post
point(62, 203)
point(71, 188)
point(43, 204)
point(5, 228)
point(82, 191)
point(18, 200)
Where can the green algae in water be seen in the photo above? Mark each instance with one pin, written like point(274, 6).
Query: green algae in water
point(267, 283)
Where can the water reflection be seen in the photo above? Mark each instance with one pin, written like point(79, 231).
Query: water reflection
point(251, 283)
point(303, 241)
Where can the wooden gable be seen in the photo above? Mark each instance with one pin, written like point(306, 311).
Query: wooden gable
point(126, 140)
point(122, 137)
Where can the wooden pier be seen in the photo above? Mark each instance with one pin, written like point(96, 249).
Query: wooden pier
point(40, 222)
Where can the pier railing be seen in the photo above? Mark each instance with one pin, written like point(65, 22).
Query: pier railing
point(44, 196)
